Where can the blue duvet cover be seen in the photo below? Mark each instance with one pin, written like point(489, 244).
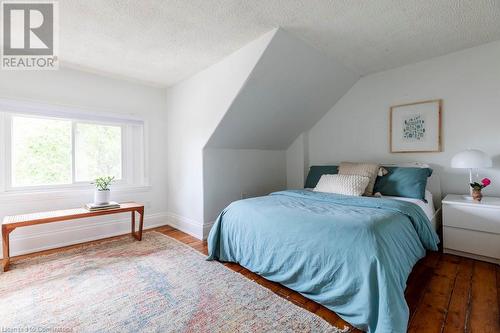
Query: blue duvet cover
point(351, 254)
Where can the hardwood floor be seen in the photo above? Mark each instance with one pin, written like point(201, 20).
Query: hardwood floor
point(445, 293)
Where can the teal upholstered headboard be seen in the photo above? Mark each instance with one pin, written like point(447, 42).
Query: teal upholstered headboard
point(315, 173)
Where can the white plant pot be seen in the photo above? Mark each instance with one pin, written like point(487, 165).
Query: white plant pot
point(102, 197)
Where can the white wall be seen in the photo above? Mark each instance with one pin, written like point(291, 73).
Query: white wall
point(96, 93)
point(357, 127)
point(234, 174)
point(194, 109)
point(297, 162)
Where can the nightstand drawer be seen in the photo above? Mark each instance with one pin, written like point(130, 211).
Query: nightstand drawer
point(473, 218)
point(476, 242)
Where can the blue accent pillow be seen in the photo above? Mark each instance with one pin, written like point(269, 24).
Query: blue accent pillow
point(403, 182)
point(315, 173)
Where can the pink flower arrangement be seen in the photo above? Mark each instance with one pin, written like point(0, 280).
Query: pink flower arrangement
point(479, 186)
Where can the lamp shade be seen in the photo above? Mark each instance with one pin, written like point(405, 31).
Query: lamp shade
point(471, 159)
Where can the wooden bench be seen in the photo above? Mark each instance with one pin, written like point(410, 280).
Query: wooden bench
point(10, 223)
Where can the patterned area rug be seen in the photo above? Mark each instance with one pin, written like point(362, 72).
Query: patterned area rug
point(157, 285)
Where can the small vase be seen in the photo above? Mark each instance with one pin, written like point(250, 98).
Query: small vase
point(477, 195)
point(101, 197)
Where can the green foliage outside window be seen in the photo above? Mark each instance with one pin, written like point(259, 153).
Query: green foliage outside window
point(42, 151)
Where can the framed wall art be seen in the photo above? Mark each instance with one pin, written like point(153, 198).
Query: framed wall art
point(416, 127)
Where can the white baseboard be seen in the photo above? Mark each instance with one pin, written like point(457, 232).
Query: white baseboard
point(185, 224)
point(30, 241)
point(189, 226)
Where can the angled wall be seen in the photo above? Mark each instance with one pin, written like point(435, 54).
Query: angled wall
point(291, 87)
point(194, 109)
point(228, 127)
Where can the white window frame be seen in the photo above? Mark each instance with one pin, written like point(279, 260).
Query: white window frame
point(133, 173)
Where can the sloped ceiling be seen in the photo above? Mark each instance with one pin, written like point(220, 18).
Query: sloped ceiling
point(164, 42)
point(292, 86)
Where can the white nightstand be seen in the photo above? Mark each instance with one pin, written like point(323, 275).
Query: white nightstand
point(472, 229)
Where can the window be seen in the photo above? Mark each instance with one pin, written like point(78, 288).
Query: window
point(41, 151)
point(98, 151)
point(60, 151)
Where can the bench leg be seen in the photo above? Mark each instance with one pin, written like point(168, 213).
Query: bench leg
point(6, 248)
point(141, 222)
point(133, 223)
point(138, 235)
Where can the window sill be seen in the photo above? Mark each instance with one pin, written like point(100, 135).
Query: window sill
point(64, 193)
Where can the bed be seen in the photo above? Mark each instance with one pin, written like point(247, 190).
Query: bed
point(351, 254)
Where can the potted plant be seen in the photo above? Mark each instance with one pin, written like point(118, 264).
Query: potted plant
point(477, 187)
point(102, 193)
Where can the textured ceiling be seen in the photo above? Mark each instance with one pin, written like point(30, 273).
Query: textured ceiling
point(165, 41)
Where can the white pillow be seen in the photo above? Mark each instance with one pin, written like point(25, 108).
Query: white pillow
point(342, 184)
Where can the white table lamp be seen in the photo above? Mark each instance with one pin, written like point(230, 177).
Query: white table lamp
point(471, 159)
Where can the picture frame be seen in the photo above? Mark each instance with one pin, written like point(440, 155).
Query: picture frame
point(416, 127)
